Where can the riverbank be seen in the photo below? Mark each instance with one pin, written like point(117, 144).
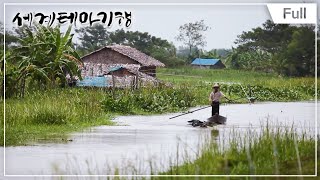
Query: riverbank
point(53, 114)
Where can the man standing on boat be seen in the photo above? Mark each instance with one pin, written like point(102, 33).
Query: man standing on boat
point(215, 97)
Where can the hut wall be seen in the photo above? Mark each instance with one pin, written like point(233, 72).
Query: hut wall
point(122, 73)
point(201, 66)
point(150, 70)
point(108, 56)
point(218, 65)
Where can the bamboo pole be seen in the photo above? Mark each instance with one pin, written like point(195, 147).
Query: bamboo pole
point(137, 81)
point(113, 81)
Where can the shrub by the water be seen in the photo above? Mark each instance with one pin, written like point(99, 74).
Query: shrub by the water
point(150, 99)
point(117, 103)
point(265, 93)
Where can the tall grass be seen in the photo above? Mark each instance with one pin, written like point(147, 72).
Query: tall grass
point(271, 151)
point(52, 114)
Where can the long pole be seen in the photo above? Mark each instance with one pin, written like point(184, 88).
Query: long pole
point(190, 112)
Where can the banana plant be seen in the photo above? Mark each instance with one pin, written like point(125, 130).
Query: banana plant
point(45, 55)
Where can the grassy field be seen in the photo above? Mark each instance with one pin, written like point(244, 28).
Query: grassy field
point(189, 74)
point(237, 84)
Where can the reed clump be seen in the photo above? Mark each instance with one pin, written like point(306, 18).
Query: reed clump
point(269, 151)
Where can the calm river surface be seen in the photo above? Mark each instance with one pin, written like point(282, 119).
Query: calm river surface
point(141, 139)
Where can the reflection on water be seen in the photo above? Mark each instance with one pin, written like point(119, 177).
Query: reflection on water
point(131, 147)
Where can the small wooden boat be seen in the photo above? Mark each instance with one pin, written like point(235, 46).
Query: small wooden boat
point(211, 121)
point(217, 119)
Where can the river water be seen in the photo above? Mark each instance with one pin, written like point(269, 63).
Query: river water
point(141, 144)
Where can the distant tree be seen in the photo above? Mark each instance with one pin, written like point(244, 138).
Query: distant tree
point(300, 52)
point(184, 53)
point(270, 37)
point(92, 38)
point(212, 54)
point(191, 34)
point(232, 59)
point(223, 52)
point(142, 41)
point(95, 37)
point(220, 54)
point(168, 56)
point(11, 39)
point(153, 46)
point(284, 49)
point(119, 36)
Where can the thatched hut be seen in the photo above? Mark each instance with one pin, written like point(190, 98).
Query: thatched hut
point(120, 54)
point(115, 75)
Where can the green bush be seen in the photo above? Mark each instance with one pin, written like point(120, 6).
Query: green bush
point(266, 93)
point(184, 95)
point(158, 100)
point(117, 103)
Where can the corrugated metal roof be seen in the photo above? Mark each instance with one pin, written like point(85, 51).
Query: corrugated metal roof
point(199, 61)
point(128, 68)
point(115, 68)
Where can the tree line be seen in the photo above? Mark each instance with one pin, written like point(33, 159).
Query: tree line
point(94, 37)
point(279, 48)
point(287, 50)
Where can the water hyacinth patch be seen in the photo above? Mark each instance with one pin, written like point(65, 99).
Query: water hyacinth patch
point(149, 99)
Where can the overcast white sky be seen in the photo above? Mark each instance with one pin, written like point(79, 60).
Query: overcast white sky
point(226, 22)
